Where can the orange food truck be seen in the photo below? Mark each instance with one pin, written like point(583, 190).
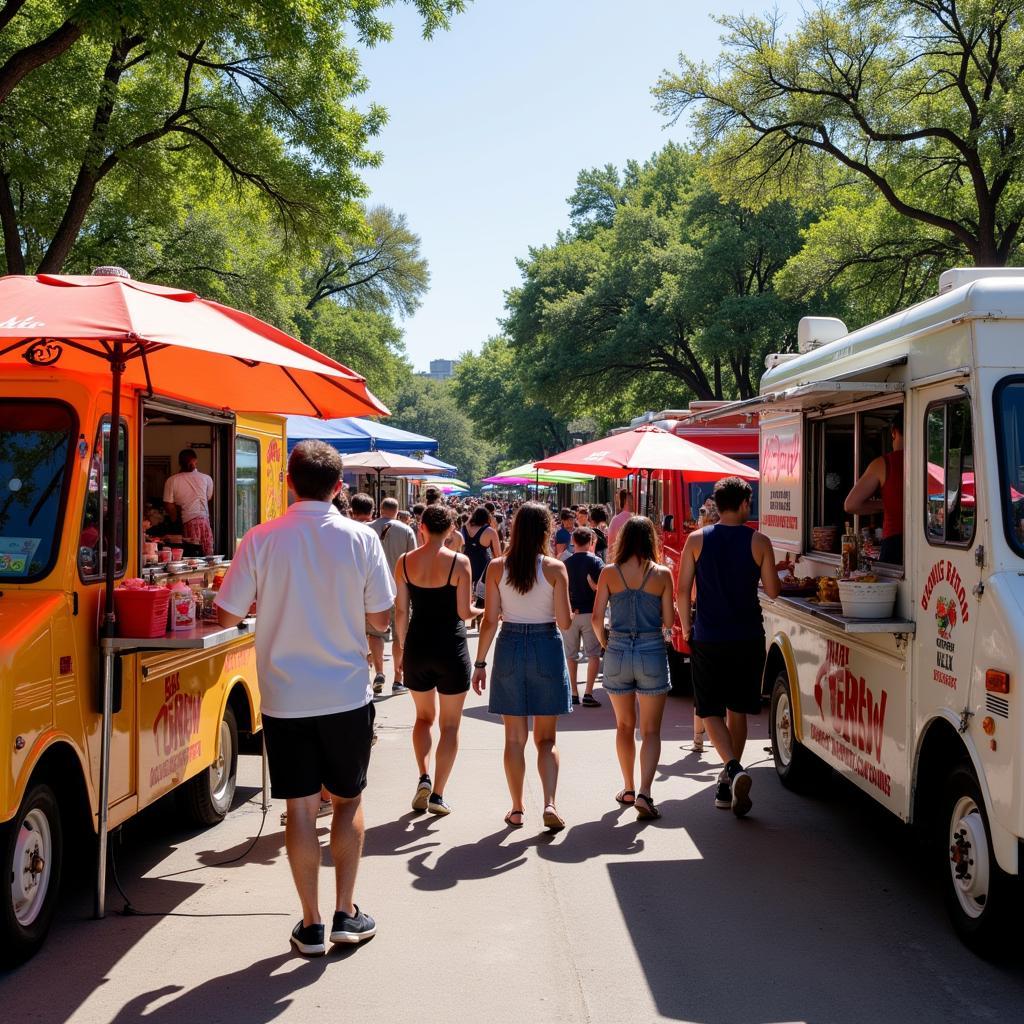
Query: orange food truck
point(96, 725)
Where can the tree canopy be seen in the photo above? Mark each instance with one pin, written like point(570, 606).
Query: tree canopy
point(914, 104)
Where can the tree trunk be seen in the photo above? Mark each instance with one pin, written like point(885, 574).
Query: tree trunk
point(24, 61)
point(13, 253)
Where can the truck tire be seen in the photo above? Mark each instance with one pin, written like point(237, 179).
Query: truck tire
point(207, 798)
point(798, 769)
point(980, 897)
point(31, 845)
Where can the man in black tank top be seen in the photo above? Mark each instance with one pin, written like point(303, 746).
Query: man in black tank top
point(727, 561)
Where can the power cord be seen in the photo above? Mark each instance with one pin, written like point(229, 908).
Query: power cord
point(129, 909)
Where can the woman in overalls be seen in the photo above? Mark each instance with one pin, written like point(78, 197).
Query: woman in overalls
point(640, 594)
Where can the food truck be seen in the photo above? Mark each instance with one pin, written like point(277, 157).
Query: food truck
point(179, 702)
point(921, 708)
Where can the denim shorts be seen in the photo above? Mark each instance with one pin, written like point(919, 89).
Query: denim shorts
point(636, 665)
point(530, 676)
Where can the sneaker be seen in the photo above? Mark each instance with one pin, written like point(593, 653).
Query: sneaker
point(309, 939)
point(378, 684)
point(397, 688)
point(575, 699)
point(423, 791)
point(352, 929)
point(723, 795)
point(436, 805)
point(741, 783)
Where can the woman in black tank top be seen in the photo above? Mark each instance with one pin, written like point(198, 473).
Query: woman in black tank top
point(430, 618)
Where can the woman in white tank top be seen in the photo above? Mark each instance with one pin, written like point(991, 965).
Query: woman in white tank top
point(528, 591)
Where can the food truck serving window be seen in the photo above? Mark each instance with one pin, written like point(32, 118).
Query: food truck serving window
point(950, 503)
point(36, 449)
point(845, 451)
point(91, 554)
point(1009, 407)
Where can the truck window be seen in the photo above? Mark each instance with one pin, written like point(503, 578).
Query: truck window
point(91, 555)
point(700, 491)
point(36, 446)
point(247, 485)
point(950, 502)
point(1009, 406)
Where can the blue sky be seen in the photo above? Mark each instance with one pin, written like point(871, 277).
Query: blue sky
point(490, 123)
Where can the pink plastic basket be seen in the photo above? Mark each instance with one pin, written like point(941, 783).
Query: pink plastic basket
point(142, 611)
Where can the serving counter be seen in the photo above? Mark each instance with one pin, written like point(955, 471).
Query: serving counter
point(891, 624)
point(203, 636)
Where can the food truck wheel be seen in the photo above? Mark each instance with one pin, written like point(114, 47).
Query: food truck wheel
point(979, 895)
point(31, 845)
point(796, 766)
point(207, 798)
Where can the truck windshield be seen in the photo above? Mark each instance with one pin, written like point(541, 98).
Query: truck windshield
point(1009, 403)
point(35, 450)
point(702, 491)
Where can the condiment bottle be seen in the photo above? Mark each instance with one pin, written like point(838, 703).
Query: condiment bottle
point(183, 606)
point(849, 551)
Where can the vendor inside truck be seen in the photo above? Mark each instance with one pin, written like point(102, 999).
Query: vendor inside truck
point(884, 478)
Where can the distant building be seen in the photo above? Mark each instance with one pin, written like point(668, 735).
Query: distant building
point(441, 369)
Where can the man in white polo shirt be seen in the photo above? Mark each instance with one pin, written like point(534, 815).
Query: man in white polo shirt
point(321, 579)
point(188, 495)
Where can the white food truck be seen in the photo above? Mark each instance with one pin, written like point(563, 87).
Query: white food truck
point(923, 710)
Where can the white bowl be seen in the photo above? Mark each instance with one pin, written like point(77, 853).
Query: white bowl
point(867, 600)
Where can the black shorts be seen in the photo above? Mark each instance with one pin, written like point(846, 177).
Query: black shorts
point(332, 751)
point(727, 676)
point(433, 664)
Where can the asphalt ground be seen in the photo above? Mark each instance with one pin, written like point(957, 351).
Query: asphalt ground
point(815, 910)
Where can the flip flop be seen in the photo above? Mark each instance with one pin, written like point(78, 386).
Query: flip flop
point(648, 813)
point(552, 821)
point(511, 823)
point(623, 793)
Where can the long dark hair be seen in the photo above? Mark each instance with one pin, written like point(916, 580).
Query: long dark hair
point(531, 536)
point(637, 539)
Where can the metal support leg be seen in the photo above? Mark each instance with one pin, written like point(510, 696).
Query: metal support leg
point(266, 773)
point(104, 808)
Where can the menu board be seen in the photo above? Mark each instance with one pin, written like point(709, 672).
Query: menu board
point(781, 516)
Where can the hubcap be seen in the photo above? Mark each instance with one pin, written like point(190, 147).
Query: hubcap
point(968, 856)
point(783, 730)
point(220, 770)
point(30, 874)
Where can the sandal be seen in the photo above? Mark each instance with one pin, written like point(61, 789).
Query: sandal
point(648, 813)
point(552, 821)
point(590, 701)
point(623, 794)
point(511, 823)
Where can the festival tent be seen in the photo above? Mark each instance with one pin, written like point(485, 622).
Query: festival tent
point(351, 435)
point(437, 467)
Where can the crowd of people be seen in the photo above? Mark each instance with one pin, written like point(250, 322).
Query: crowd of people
point(334, 582)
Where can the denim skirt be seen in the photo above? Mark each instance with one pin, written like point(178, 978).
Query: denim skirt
point(529, 676)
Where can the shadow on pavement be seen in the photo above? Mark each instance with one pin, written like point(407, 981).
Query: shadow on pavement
point(778, 917)
point(256, 994)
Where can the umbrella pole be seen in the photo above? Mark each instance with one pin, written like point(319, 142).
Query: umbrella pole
point(108, 628)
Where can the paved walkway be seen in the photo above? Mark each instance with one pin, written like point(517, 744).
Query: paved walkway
point(807, 911)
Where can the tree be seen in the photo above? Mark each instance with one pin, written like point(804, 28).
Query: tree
point(916, 101)
point(674, 295)
point(254, 97)
point(491, 389)
point(382, 270)
point(429, 407)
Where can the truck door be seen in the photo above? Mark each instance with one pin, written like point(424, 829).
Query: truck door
point(946, 536)
point(92, 560)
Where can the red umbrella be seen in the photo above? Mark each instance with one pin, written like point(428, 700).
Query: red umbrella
point(135, 334)
point(648, 448)
point(186, 344)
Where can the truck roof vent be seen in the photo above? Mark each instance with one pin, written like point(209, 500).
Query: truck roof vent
point(956, 277)
point(814, 331)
